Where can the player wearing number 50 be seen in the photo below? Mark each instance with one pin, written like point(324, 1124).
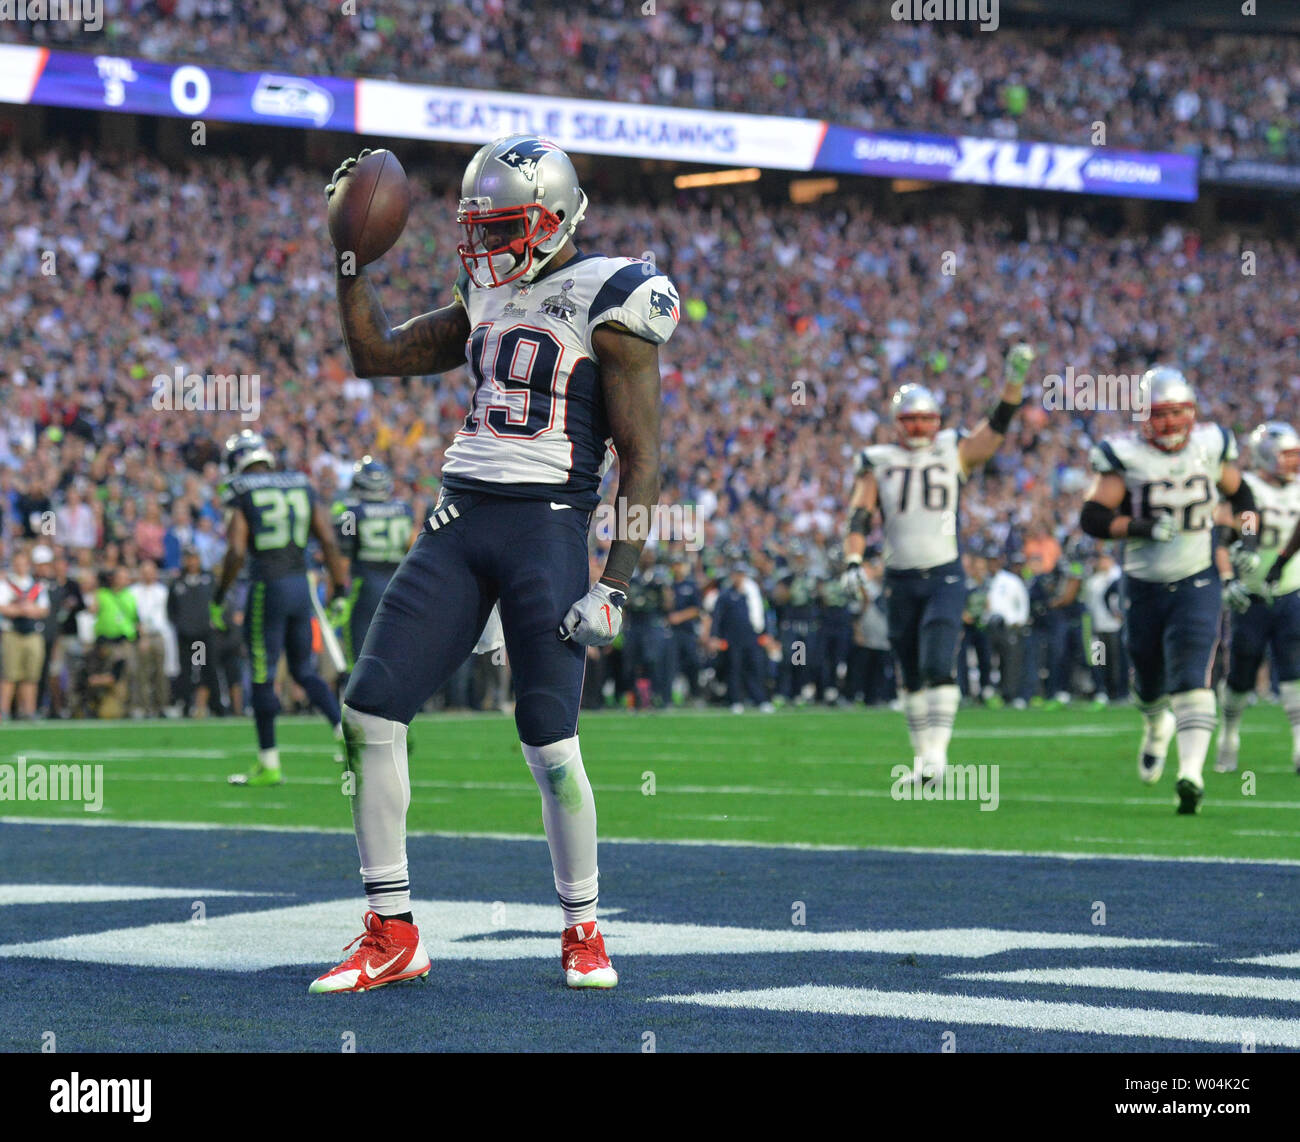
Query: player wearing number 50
point(270, 517)
point(1155, 490)
point(562, 348)
point(915, 484)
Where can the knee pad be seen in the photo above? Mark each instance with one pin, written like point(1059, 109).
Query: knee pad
point(264, 700)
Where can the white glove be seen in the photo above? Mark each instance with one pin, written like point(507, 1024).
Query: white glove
point(854, 580)
point(1164, 528)
point(1237, 596)
point(1244, 563)
point(596, 618)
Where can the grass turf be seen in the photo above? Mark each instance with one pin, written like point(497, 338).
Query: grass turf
point(1066, 780)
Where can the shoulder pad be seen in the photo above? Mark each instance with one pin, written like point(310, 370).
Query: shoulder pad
point(635, 294)
point(1104, 457)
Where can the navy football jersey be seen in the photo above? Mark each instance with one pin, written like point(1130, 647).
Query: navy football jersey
point(278, 508)
point(374, 535)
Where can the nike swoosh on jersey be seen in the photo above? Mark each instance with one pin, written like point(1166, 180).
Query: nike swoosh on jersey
point(952, 578)
point(374, 973)
point(560, 507)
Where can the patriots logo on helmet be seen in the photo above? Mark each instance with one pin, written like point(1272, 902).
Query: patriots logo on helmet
point(663, 304)
point(524, 156)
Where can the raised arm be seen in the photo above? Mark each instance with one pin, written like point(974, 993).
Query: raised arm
point(431, 343)
point(977, 449)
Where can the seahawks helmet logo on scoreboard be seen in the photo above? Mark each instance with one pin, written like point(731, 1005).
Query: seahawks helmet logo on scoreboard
point(524, 156)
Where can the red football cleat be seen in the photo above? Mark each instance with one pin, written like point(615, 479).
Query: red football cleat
point(584, 959)
point(390, 952)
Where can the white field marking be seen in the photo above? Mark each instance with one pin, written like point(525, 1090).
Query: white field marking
point(106, 893)
point(1263, 833)
point(1281, 960)
point(713, 817)
point(523, 786)
point(1130, 979)
point(483, 930)
point(1036, 1015)
point(243, 805)
point(697, 842)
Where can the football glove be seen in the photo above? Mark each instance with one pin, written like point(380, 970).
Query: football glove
point(344, 168)
point(216, 616)
point(1236, 596)
point(339, 611)
point(596, 618)
point(1244, 562)
point(854, 579)
point(1163, 528)
point(1016, 368)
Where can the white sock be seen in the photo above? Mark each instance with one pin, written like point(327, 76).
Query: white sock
point(269, 758)
point(1195, 714)
point(1234, 706)
point(1291, 704)
point(916, 708)
point(569, 814)
point(383, 794)
point(943, 702)
point(1153, 718)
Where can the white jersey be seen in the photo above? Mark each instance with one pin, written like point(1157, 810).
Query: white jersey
point(537, 426)
point(1179, 484)
point(1278, 508)
point(917, 490)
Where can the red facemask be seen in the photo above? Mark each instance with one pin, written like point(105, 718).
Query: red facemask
point(1169, 426)
point(500, 243)
point(918, 429)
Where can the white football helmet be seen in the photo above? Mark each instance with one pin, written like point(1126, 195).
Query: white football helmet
point(1170, 402)
point(916, 416)
point(520, 202)
point(1275, 449)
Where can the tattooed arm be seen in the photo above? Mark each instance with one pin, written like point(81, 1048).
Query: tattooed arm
point(431, 343)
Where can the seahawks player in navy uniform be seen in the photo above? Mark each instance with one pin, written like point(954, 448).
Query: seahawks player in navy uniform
point(271, 515)
point(1267, 613)
point(562, 347)
point(1155, 490)
point(375, 530)
point(915, 484)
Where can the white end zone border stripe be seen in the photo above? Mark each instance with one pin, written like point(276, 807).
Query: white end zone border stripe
point(109, 893)
point(537, 838)
point(1132, 979)
point(1030, 1014)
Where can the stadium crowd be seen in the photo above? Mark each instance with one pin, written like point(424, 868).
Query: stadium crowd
point(1229, 95)
point(798, 322)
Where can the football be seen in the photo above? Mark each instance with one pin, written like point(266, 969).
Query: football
point(368, 210)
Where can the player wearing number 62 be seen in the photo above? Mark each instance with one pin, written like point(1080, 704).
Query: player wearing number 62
point(1155, 490)
point(271, 516)
point(562, 348)
point(915, 484)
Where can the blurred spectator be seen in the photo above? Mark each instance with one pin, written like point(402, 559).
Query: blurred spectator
point(24, 607)
point(151, 695)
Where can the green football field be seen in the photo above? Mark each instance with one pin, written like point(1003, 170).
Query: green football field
point(1066, 780)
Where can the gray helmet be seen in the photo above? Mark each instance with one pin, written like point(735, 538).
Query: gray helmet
point(246, 448)
point(1165, 385)
point(520, 202)
point(914, 400)
point(1268, 442)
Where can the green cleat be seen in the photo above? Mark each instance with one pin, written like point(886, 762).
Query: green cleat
point(258, 775)
point(1189, 796)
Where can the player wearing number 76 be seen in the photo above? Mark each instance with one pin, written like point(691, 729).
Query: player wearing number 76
point(1155, 490)
point(915, 484)
point(562, 349)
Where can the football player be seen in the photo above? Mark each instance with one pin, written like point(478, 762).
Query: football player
point(562, 347)
point(374, 532)
point(1267, 616)
point(270, 517)
point(915, 484)
point(1155, 490)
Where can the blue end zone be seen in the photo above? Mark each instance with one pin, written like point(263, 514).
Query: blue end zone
point(502, 1001)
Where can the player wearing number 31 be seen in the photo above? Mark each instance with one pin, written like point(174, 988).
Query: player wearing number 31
point(1155, 490)
point(562, 348)
point(915, 484)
